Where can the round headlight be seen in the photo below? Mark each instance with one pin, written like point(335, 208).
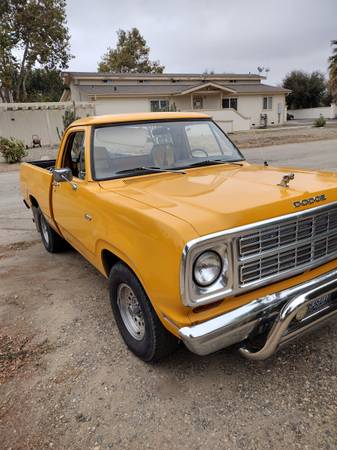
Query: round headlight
point(207, 268)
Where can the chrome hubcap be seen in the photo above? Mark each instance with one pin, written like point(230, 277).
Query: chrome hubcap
point(44, 229)
point(131, 312)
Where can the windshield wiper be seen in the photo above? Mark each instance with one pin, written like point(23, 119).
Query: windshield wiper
point(209, 162)
point(149, 169)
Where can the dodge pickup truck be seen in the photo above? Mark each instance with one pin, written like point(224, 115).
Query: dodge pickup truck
point(198, 245)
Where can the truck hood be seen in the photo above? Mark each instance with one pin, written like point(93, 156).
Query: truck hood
point(220, 197)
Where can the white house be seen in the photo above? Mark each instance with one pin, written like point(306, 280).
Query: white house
point(235, 101)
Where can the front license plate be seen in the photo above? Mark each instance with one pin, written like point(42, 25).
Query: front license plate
point(320, 303)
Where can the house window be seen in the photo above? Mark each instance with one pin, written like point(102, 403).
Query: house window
point(197, 102)
point(159, 105)
point(267, 102)
point(230, 102)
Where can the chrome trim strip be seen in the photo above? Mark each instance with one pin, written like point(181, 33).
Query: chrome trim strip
point(226, 237)
point(198, 295)
point(236, 325)
point(262, 223)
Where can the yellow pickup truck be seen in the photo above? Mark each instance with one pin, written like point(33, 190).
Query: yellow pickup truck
point(198, 245)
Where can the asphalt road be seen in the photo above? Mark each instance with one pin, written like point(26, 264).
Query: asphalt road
point(320, 155)
point(70, 383)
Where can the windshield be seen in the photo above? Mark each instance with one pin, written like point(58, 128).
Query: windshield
point(171, 145)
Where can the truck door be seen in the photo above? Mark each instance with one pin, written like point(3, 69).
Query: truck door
point(71, 207)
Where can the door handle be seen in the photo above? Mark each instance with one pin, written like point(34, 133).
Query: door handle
point(87, 217)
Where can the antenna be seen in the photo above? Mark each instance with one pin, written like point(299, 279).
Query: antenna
point(262, 69)
point(263, 156)
point(265, 69)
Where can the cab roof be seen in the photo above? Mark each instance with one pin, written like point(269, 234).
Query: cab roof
point(136, 117)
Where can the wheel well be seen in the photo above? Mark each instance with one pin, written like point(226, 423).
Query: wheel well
point(33, 201)
point(109, 260)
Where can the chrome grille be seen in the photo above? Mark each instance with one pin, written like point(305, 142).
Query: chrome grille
point(270, 251)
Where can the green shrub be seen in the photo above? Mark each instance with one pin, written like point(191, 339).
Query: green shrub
point(320, 122)
point(13, 150)
point(68, 118)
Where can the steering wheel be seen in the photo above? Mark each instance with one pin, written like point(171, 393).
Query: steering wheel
point(202, 150)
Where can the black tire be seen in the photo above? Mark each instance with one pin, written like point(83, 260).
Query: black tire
point(154, 342)
point(51, 240)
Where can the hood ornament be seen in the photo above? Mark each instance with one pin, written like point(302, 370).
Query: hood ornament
point(285, 180)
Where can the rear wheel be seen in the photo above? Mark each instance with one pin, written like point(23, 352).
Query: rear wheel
point(51, 240)
point(136, 319)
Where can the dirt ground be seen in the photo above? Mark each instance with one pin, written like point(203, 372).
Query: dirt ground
point(287, 135)
point(67, 380)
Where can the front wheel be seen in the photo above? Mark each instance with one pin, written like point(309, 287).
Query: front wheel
point(136, 319)
point(51, 240)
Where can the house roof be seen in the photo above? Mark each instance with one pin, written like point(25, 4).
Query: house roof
point(176, 89)
point(160, 76)
point(208, 85)
point(260, 89)
point(131, 89)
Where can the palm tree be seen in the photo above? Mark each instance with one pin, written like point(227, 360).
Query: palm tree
point(333, 70)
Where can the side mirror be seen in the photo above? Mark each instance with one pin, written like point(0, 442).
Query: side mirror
point(61, 175)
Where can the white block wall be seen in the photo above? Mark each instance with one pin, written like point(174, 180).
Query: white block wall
point(19, 122)
point(329, 112)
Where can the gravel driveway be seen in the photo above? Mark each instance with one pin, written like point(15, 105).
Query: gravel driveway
point(68, 382)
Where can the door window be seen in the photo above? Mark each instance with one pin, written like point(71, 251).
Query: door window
point(74, 156)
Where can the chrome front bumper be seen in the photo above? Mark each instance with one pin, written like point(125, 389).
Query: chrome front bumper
point(287, 314)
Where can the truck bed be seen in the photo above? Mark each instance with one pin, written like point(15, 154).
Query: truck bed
point(48, 164)
point(36, 183)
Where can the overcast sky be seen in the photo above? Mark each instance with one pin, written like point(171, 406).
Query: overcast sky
point(219, 35)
